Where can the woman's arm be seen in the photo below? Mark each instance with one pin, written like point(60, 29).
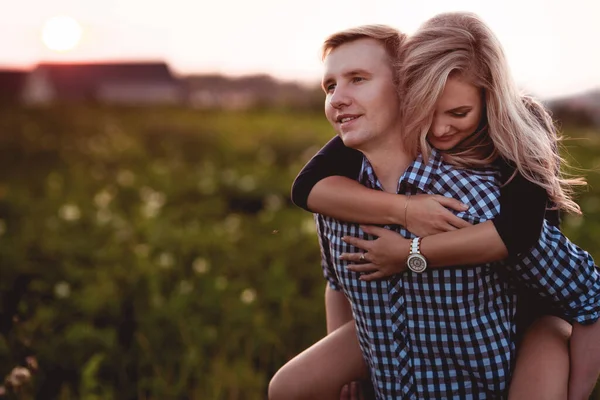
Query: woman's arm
point(327, 185)
point(522, 211)
point(477, 244)
point(516, 228)
point(333, 159)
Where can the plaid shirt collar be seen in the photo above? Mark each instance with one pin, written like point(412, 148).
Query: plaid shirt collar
point(418, 174)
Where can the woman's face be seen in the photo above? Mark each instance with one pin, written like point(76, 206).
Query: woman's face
point(457, 114)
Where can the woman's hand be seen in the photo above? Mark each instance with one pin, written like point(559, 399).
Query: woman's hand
point(428, 214)
point(383, 257)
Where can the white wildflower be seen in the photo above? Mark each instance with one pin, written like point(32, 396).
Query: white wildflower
point(69, 212)
point(166, 260)
point(248, 296)
point(19, 376)
point(152, 200)
point(247, 183)
point(103, 198)
point(201, 265)
point(62, 290)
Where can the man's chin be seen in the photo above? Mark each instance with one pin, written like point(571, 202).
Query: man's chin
point(352, 141)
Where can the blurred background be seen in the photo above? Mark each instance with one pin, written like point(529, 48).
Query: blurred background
point(148, 246)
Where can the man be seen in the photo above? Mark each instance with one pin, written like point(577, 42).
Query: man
point(409, 324)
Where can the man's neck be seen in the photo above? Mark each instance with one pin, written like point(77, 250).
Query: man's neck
point(389, 161)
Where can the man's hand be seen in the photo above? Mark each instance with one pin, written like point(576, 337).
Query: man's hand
point(382, 257)
point(428, 214)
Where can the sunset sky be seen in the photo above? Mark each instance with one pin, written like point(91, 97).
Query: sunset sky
point(552, 45)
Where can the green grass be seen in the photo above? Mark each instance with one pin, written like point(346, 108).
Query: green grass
point(161, 255)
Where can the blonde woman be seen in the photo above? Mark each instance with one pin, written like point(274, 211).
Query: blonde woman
point(458, 97)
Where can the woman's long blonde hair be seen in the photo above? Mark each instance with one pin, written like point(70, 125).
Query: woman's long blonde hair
point(514, 127)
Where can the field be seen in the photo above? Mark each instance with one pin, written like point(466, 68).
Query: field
point(154, 253)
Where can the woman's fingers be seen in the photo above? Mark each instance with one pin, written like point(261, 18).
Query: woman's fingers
point(457, 222)
point(451, 203)
point(449, 228)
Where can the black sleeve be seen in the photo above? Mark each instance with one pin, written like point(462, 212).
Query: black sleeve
point(333, 159)
point(522, 211)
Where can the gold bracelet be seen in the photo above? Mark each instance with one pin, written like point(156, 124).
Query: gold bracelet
point(406, 213)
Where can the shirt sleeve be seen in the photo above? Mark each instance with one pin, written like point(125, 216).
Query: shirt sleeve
point(563, 273)
point(326, 262)
point(333, 159)
point(522, 210)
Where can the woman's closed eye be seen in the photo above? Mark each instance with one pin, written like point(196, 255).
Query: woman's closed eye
point(458, 114)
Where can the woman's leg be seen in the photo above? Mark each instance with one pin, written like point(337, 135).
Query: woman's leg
point(542, 366)
point(321, 371)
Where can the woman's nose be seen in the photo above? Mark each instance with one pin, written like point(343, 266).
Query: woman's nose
point(439, 128)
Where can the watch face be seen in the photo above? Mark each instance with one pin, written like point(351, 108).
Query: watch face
point(416, 263)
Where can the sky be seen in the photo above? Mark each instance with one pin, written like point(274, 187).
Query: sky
point(552, 45)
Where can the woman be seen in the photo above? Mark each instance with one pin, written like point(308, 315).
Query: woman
point(519, 137)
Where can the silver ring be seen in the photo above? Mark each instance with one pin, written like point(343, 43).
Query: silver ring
point(362, 257)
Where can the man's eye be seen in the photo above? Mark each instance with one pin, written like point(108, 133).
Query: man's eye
point(329, 88)
point(357, 79)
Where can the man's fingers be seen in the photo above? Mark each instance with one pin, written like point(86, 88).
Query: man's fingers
point(362, 268)
point(354, 257)
point(373, 230)
point(451, 203)
point(356, 242)
point(354, 390)
point(345, 392)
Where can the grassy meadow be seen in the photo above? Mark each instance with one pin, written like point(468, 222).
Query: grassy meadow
point(155, 254)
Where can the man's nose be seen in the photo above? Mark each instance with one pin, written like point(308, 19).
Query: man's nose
point(340, 98)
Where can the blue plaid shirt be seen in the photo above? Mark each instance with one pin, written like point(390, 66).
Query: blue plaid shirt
point(449, 332)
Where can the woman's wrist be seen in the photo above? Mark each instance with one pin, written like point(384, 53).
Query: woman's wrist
point(396, 204)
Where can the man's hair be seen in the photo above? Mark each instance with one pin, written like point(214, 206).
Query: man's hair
point(517, 128)
point(391, 39)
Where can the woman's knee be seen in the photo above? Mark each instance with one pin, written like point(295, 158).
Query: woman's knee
point(550, 328)
point(284, 385)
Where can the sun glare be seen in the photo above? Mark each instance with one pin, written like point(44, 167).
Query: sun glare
point(61, 33)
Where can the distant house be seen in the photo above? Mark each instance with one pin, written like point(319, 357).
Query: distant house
point(11, 85)
point(219, 91)
point(112, 83)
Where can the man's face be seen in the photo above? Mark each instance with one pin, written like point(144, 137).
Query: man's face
point(457, 114)
point(361, 100)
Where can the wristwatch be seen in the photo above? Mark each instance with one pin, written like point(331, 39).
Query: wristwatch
point(416, 261)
